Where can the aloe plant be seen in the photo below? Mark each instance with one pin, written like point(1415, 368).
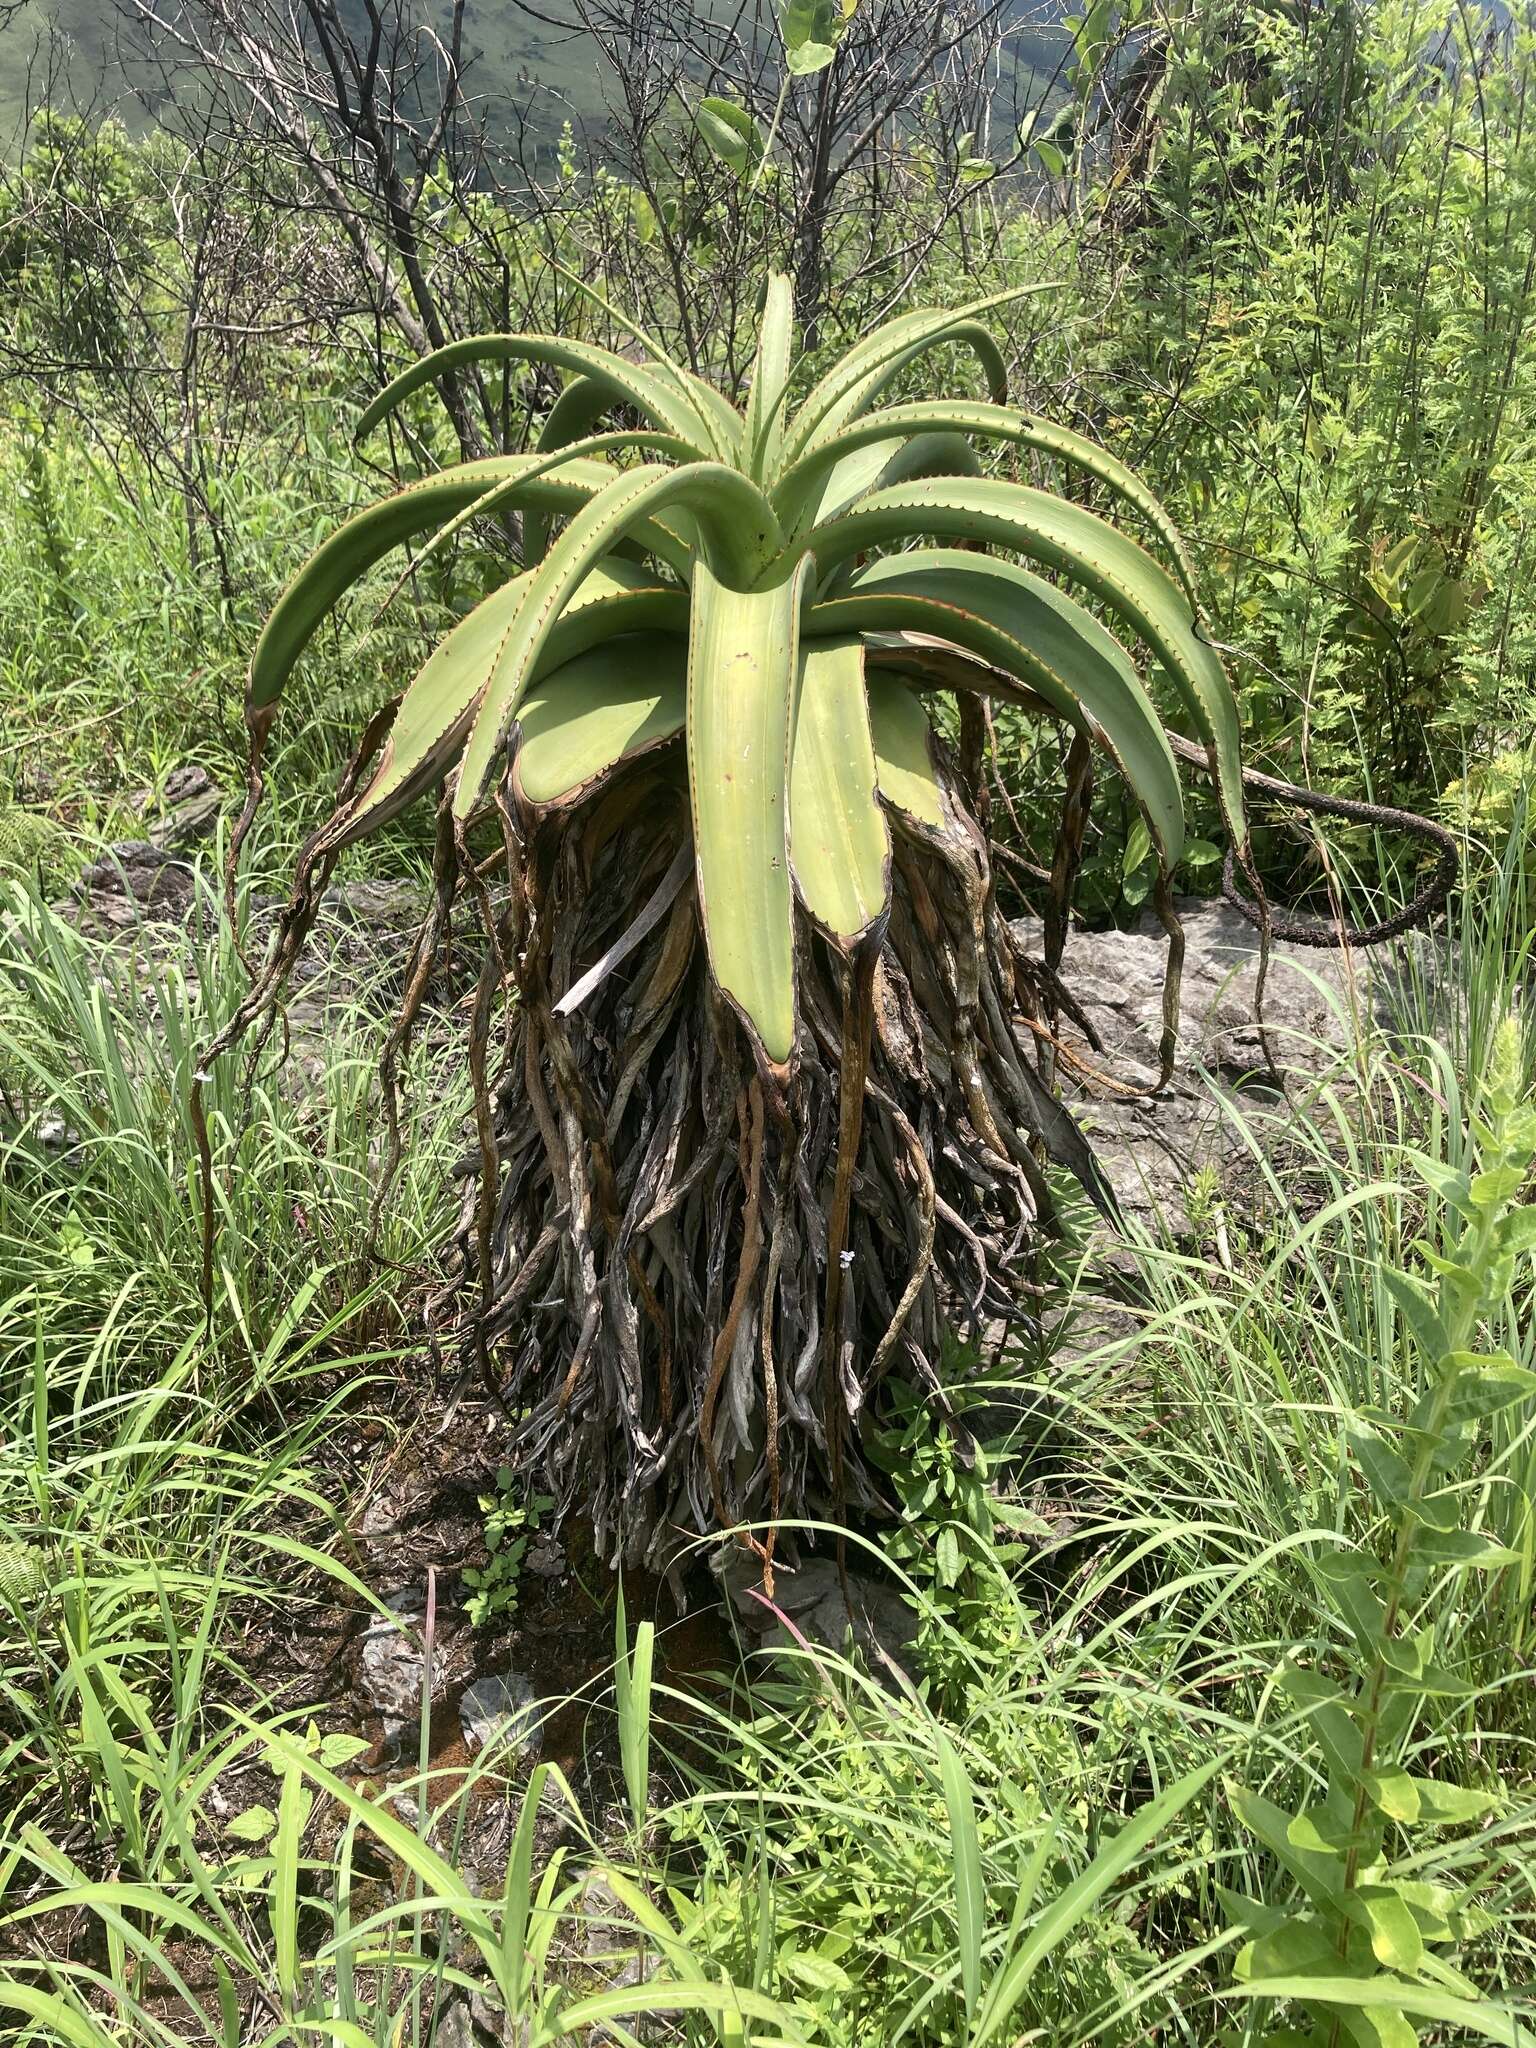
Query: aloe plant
point(767, 1097)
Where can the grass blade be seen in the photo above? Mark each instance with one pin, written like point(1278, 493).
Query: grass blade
point(1069, 1907)
point(970, 1893)
point(632, 1691)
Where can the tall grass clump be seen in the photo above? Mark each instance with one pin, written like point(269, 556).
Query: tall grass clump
point(156, 1459)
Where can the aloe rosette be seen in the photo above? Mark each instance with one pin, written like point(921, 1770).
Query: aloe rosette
point(769, 1101)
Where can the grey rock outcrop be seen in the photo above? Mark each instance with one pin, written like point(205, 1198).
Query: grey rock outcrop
point(1152, 1148)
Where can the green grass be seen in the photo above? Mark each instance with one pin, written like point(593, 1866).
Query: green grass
point(1035, 1851)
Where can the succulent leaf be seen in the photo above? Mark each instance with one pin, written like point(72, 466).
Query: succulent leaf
point(1077, 543)
point(903, 747)
point(606, 706)
point(840, 844)
point(741, 665)
point(794, 755)
point(1023, 627)
point(661, 400)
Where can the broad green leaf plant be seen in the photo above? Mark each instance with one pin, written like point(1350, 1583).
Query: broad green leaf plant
point(700, 711)
point(1368, 1951)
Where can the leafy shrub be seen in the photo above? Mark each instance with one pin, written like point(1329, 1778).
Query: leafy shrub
point(1358, 276)
point(1372, 1947)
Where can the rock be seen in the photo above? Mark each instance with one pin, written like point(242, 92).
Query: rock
point(381, 1520)
point(356, 955)
point(545, 1558)
point(610, 1938)
point(455, 2027)
point(134, 879)
point(1117, 977)
point(883, 1627)
point(391, 1657)
point(472, 2021)
point(413, 1521)
point(357, 951)
point(188, 806)
point(391, 1661)
point(1151, 1150)
point(501, 1707)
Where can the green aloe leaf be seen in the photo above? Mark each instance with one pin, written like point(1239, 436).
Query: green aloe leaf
point(741, 672)
point(433, 720)
point(896, 460)
point(1029, 630)
point(658, 397)
point(739, 531)
point(839, 842)
point(606, 706)
point(854, 383)
point(370, 534)
point(764, 436)
point(435, 713)
point(574, 413)
point(514, 491)
point(903, 746)
point(720, 417)
point(1080, 545)
point(991, 423)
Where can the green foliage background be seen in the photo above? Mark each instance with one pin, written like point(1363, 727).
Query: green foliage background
point(1297, 297)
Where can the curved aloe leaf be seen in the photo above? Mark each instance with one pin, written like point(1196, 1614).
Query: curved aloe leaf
point(992, 423)
point(370, 534)
point(513, 490)
point(741, 671)
point(882, 463)
point(660, 399)
point(606, 706)
point(574, 413)
point(856, 382)
point(1037, 634)
point(579, 407)
point(1079, 544)
point(430, 726)
point(721, 419)
point(766, 398)
point(739, 532)
point(434, 716)
point(903, 745)
point(839, 843)
point(713, 407)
